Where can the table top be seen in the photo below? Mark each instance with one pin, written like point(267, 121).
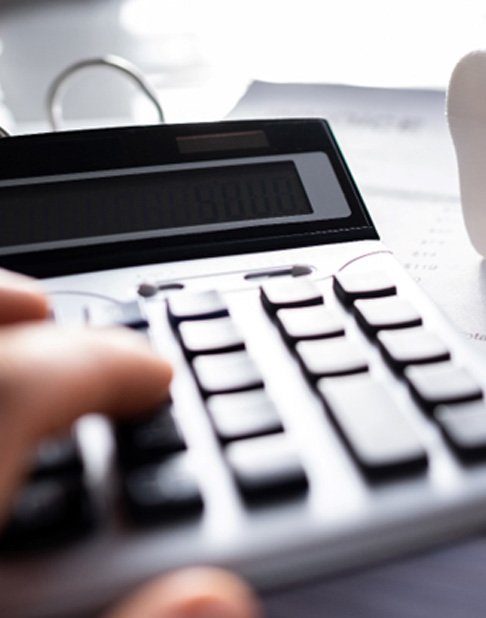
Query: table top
point(448, 582)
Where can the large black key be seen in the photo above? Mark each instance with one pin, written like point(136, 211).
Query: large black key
point(308, 323)
point(226, 373)
point(441, 383)
point(148, 438)
point(196, 306)
point(331, 357)
point(266, 467)
point(388, 313)
point(162, 491)
point(243, 415)
point(210, 336)
point(290, 294)
point(349, 286)
point(47, 512)
point(378, 435)
point(412, 346)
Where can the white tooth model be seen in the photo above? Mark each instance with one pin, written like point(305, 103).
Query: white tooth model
point(466, 112)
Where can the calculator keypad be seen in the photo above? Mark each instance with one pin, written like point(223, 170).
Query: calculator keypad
point(333, 344)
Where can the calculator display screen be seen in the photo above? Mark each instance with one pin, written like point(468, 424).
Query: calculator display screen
point(147, 202)
point(82, 201)
point(124, 204)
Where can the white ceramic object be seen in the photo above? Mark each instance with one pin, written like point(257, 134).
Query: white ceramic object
point(466, 112)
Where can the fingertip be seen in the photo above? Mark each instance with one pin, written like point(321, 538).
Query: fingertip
point(28, 305)
point(192, 593)
point(216, 593)
point(113, 372)
point(126, 358)
point(21, 299)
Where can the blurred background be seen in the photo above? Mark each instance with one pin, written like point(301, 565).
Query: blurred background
point(376, 69)
point(201, 55)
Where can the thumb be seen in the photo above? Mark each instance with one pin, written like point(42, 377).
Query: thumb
point(192, 593)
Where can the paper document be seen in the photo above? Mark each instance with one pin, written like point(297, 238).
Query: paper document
point(399, 150)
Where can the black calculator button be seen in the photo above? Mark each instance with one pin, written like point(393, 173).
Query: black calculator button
point(243, 415)
point(166, 490)
point(47, 512)
point(349, 286)
point(289, 294)
point(210, 336)
point(441, 383)
point(331, 357)
point(127, 314)
point(308, 323)
point(387, 313)
point(377, 433)
point(464, 425)
point(57, 456)
point(196, 306)
point(266, 467)
point(226, 373)
point(411, 346)
point(149, 438)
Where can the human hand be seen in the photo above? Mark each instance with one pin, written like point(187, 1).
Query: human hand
point(48, 378)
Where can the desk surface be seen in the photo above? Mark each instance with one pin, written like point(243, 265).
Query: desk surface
point(449, 582)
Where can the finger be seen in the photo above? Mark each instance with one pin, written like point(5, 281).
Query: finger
point(49, 377)
point(21, 298)
point(192, 593)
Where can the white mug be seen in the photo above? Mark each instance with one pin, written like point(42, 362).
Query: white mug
point(466, 113)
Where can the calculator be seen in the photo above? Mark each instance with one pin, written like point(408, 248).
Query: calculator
point(323, 414)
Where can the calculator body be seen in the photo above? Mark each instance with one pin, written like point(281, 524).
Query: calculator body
point(344, 505)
